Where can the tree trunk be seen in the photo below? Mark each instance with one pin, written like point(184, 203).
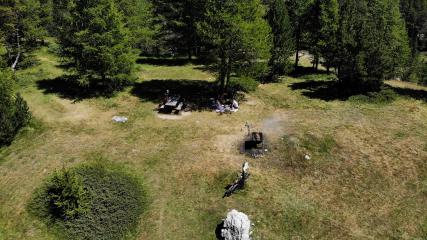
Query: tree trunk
point(317, 63)
point(228, 72)
point(297, 56)
point(18, 55)
point(222, 74)
point(189, 53)
point(297, 38)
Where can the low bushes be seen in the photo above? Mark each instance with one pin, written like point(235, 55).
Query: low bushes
point(386, 95)
point(14, 112)
point(90, 202)
point(245, 84)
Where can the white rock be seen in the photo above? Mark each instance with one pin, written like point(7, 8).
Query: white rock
point(237, 226)
point(120, 119)
point(307, 157)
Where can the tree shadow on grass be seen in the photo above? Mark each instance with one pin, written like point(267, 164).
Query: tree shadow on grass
point(196, 93)
point(303, 71)
point(169, 61)
point(68, 87)
point(323, 89)
point(330, 90)
point(417, 94)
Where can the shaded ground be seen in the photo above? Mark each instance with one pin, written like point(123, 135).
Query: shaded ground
point(195, 93)
point(169, 61)
point(330, 90)
point(67, 86)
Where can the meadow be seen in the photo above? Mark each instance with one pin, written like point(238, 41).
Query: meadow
point(366, 179)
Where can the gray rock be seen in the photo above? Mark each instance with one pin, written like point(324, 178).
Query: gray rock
point(237, 226)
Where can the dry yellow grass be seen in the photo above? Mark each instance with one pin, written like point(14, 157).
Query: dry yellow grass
point(368, 185)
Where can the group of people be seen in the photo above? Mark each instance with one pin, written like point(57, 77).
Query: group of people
point(230, 106)
point(219, 105)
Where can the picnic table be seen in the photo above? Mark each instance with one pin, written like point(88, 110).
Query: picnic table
point(174, 104)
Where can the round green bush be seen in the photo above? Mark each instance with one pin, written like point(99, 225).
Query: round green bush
point(90, 202)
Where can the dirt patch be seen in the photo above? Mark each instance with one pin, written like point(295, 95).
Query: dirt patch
point(228, 143)
point(173, 116)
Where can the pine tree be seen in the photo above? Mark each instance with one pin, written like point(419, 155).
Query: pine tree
point(93, 36)
point(21, 28)
point(138, 18)
point(329, 22)
point(298, 10)
point(372, 43)
point(178, 24)
point(283, 41)
point(14, 112)
point(415, 15)
point(238, 33)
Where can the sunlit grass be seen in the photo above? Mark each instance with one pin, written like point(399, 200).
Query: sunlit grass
point(364, 179)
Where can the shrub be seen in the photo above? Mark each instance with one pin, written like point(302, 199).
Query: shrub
point(14, 112)
point(245, 84)
point(66, 195)
point(104, 203)
point(386, 95)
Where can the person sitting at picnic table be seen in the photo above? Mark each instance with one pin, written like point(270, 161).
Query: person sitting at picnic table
point(234, 106)
point(219, 107)
point(166, 97)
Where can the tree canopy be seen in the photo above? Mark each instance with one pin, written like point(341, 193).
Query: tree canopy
point(362, 42)
point(237, 32)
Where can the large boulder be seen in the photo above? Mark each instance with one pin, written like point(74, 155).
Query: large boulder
point(237, 226)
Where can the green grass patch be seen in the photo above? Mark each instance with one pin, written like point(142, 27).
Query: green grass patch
point(245, 84)
point(90, 202)
point(384, 96)
point(301, 220)
point(321, 145)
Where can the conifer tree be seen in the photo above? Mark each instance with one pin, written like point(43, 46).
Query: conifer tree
point(329, 23)
point(415, 14)
point(298, 10)
point(372, 43)
point(14, 112)
point(238, 33)
point(21, 28)
point(93, 36)
point(178, 24)
point(283, 41)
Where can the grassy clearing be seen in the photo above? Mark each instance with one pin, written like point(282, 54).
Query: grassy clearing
point(365, 180)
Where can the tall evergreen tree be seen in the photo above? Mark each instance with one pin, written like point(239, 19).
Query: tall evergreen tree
point(329, 23)
point(298, 10)
point(283, 41)
point(21, 28)
point(93, 36)
point(372, 43)
point(178, 23)
point(138, 18)
point(238, 32)
point(14, 113)
point(415, 15)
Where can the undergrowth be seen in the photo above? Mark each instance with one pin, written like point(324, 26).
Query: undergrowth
point(386, 95)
